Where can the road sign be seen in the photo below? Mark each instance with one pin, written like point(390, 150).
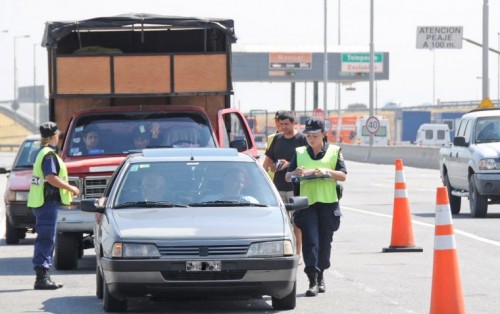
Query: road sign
point(486, 103)
point(372, 124)
point(290, 60)
point(439, 37)
point(360, 62)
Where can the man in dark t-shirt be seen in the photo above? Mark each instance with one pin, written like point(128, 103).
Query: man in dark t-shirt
point(278, 157)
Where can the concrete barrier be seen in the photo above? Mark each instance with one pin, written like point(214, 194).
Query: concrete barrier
point(412, 156)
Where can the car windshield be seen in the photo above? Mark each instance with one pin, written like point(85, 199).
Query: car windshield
point(105, 134)
point(27, 154)
point(488, 130)
point(194, 184)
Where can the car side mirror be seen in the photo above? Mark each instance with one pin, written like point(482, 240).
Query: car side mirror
point(297, 202)
point(93, 205)
point(240, 145)
point(3, 170)
point(459, 141)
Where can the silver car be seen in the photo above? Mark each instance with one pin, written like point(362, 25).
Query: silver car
point(193, 222)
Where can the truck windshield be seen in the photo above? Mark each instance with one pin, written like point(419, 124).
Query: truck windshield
point(488, 130)
point(105, 134)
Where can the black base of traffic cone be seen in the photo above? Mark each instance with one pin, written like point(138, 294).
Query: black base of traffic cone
point(391, 249)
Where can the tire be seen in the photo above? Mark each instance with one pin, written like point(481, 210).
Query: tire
point(11, 233)
point(288, 302)
point(66, 252)
point(99, 283)
point(478, 203)
point(111, 304)
point(455, 201)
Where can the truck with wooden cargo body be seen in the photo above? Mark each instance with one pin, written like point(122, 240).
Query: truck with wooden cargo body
point(168, 78)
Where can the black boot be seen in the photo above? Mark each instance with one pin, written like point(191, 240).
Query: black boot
point(313, 284)
point(321, 282)
point(42, 281)
point(59, 285)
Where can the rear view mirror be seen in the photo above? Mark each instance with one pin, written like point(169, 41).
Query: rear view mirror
point(459, 141)
point(297, 202)
point(240, 145)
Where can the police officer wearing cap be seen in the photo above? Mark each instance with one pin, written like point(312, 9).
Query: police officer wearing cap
point(318, 166)
point(49, 188)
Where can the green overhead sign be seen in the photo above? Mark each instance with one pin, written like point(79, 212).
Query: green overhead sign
point(362, 57)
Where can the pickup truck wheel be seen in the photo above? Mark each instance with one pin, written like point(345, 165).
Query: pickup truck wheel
point(455, 201)
point(11, 234)
point(478, 203)
point(66, 251)
point(288, 302)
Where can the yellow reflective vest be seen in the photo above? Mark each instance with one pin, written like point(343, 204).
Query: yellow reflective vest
point(36, 194)
point(318, 190)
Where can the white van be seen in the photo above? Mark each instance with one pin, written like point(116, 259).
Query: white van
point(381, 138)
point(430, 134)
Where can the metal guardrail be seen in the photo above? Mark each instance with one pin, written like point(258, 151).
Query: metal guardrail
point(9, 147)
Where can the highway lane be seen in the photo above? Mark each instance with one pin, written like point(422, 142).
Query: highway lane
point(362, 278)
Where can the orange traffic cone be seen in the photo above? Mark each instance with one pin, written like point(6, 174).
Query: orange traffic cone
point(446, 287)
point(402, 230)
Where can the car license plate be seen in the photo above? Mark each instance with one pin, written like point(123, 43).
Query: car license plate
point(203, 265)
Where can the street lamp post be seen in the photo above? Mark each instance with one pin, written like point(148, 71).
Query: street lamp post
point(34, 84)
point(325, 64)
point(15, 104)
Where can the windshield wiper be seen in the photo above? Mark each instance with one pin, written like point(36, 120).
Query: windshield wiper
point(149, 204)
point(226, 203)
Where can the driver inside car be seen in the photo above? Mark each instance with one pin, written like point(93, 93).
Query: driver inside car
point(232, 186)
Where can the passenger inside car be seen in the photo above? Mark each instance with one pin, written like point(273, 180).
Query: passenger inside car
point(91, 139)
point(233, 184)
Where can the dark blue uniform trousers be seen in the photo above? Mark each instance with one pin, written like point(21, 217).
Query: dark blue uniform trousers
point(317, 223)
point(46, 219)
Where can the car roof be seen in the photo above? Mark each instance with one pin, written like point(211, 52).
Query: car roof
point(33, 137)
point(186, 154)
point(483, 112)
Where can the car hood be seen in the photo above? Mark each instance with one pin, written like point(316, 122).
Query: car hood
point(200, 223)
point(489, 150)
point(20, 180)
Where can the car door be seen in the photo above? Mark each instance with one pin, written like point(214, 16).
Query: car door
point(232, 126)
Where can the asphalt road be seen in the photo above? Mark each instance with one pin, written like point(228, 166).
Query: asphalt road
point(362, 278)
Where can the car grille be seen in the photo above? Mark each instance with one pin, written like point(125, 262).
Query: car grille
point(221, 250)
point(95, 186)
point(205, 275)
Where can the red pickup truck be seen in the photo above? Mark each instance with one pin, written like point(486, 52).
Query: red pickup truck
point(167, 77)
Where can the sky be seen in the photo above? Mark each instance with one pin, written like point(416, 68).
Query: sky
point(416, 76)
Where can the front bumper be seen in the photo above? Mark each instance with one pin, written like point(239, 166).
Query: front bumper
point(20, 216)
point(73, 219)
point(488, 184)
point(246, 277)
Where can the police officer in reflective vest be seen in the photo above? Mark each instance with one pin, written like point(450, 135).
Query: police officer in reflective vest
point(49, 188)
point(318, 166)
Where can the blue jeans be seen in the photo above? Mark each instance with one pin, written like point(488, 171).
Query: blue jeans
point(317, 223)
point(46, 219)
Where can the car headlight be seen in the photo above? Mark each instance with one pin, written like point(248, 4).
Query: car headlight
point(488, 164)
point(274, 248)
point(17, 196)
point(135, 250)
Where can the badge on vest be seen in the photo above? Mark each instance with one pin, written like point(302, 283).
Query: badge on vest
point(35, 180)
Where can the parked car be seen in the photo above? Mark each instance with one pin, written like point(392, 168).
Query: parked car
point(19, 219)
point(166, 227)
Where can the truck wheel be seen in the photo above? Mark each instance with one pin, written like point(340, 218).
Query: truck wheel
point(478, 203)
point(66, 252)
point(288, 302)
point(455, 201)
point(11, 234)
